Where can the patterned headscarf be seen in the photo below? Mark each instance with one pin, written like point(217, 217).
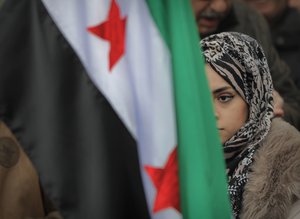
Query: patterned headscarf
point(240, 61)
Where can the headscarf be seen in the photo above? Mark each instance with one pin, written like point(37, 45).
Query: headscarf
point(241, 62)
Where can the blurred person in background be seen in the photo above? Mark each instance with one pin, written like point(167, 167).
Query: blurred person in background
point(284, 22)
point(20, 190)
point(295, 4)
point(215, 16)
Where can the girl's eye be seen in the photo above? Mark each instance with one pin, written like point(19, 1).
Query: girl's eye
point(225, 98)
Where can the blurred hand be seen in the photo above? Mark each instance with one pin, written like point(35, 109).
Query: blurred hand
point(278, 104)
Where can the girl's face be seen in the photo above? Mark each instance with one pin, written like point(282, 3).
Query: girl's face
point(231, 110)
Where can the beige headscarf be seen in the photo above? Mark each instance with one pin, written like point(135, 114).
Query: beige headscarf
point(240, 60)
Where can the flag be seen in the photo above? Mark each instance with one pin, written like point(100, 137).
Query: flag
point(109, 100)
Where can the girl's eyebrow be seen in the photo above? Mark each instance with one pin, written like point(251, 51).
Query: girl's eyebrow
point(221, 89)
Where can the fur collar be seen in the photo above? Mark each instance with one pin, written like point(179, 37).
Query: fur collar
point(274, 180)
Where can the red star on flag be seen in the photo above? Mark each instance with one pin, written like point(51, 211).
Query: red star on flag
point(166, 182)
point(112, 30)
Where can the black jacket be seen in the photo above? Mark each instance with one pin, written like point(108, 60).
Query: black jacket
point(286, 39)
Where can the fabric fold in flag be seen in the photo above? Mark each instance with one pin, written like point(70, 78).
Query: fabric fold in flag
point(99, 94)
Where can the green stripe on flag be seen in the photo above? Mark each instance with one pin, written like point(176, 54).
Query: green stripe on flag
point(201, 162)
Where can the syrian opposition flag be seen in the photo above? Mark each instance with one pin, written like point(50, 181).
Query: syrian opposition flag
point(109, 99)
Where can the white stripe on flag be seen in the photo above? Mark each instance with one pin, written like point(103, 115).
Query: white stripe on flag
point(139, 87)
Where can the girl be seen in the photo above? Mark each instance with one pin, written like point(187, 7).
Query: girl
point(262, 153)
